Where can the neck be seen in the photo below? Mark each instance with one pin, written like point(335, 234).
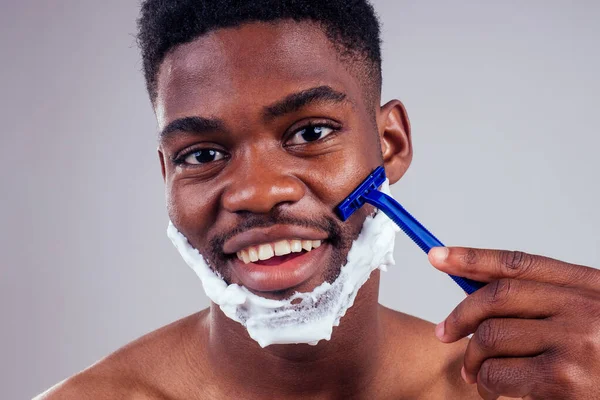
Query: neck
point(345, 364)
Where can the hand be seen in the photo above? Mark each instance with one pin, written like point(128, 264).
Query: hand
point(535, 326)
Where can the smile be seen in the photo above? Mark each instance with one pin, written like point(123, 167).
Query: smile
point(268, 251)
point(278, 257)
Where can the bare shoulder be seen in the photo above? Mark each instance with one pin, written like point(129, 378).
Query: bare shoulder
point(89, 384)
point(140, 370)
point(434, 367)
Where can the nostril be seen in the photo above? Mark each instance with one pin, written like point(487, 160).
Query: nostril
point(261, 195)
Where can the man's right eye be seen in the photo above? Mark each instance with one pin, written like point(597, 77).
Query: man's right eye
point(203, 156)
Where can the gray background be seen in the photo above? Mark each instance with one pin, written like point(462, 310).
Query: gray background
point(503, 98)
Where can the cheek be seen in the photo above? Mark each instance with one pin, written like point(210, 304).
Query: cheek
point(191, 207)
point(341, 174)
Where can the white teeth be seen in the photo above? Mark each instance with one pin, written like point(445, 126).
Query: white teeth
point(296, 246)
point(253, 254)
point(265, 251)
point(307, 245)
point(282, 248)
point(245, 257)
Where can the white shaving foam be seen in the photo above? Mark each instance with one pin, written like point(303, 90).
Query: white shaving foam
point(304, 317)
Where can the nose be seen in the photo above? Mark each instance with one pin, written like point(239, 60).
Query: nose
point(260, 188)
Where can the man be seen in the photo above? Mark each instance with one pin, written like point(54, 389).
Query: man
point(270, 115)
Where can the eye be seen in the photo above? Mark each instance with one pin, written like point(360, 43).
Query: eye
point(310, 134)
point(203, 156)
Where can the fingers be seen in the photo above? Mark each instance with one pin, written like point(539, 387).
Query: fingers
point(489, 265)
point(500, 337)
point(485, 394)
point(511, 377)
point(506, 298)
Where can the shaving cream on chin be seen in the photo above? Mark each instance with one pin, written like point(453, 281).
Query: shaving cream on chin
point(304, 317)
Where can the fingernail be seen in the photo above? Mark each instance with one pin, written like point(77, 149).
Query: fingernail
point(440, 253)
point(439, 330)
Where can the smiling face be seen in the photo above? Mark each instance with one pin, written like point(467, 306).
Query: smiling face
point(264, 130)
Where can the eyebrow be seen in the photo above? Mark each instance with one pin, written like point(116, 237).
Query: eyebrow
point(196, 125)
point(297, 101)
point(291, 103)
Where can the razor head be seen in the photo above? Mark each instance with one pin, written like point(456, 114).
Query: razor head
point(356, 199)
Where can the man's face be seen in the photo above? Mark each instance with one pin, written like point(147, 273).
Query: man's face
point(265, 131)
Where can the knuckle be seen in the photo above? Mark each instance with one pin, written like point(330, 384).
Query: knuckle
point(499, 291)
point(488, 335)
point(469, 257)
point(575, 274)
point(455, 317)
point(490, 375)
point(498, 377)
point(590, 344)
point(516, 262)
point(595, 334)
point(566, 375)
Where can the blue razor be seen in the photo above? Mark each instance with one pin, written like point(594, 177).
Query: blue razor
point(367, 192)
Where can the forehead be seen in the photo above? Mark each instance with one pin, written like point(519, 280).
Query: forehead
point(248, 66)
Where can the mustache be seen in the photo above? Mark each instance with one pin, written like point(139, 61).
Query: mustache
point(251, 221)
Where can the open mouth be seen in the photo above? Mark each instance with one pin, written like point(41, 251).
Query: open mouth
point(276, 252)
point(281, 266)
point(278, 258)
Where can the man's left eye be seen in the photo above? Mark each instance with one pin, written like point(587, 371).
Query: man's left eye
point(310, 134)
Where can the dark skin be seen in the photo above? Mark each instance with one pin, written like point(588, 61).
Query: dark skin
point(242, 127)
point(536, 326)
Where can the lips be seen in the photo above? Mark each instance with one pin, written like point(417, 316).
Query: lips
point(277, 258)
point(282, 273)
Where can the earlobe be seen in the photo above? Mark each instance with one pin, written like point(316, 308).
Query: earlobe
point(161, 157)
point(395, 137)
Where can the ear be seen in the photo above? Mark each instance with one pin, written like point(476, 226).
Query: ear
point(161, 157)
point(394, 135)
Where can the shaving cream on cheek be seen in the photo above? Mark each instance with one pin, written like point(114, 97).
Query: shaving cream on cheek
point(304, 317)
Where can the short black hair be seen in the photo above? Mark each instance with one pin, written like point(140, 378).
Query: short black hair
point(351, 25)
